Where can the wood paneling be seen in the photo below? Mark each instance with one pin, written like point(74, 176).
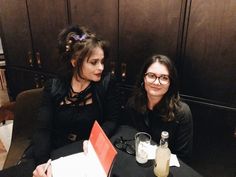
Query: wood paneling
point(28, 80)
point(135, 29)
point(147, 27)
point(209, 64)
point(214, 142)
point(47, 19)
point(99, 16)
point(16, 37)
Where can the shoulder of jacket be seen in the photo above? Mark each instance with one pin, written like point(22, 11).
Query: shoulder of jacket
point(183, 113)
point(55, 87)
point(103, 84)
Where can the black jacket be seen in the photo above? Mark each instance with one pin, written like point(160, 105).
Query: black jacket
point(105, 93)
point(180, 130)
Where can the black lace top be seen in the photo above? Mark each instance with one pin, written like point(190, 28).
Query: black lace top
point(66, 116)
point(74, 117)
point(78, 98)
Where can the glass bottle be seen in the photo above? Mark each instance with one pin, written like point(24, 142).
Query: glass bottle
point(162, 159)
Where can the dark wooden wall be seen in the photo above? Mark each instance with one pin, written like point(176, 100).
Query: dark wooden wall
point(209, 66)
point(100, 16)
point(145, 28)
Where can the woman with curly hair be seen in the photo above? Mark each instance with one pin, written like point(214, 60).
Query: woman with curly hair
point(71, 103)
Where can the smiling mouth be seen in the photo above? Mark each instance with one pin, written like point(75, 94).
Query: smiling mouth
point(156, 88)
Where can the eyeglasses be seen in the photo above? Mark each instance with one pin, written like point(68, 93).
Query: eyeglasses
point(151, 78)
point(125, 145)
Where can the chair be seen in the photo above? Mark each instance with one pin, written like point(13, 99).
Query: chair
point(25, 112)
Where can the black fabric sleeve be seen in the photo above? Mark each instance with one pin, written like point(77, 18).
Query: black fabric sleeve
point(42, 135)
point(111, 107)
point(184, 135)
point(128, 117)
point(131, 117)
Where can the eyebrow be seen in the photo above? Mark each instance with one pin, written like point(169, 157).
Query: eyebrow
point(94, 59)
point(158, 74)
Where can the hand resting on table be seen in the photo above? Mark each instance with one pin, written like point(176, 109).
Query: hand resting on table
point(40, 169)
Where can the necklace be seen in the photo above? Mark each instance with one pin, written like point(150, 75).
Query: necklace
point(76, 98)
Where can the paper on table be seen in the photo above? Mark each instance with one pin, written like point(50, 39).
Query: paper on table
point(174, 160)
point(96, 162)
point(72, 165)
point(152, 153)
point(78, 165)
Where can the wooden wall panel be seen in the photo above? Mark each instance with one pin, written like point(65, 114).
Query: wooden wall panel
point(147, 27)
point(47, 19)
point(16, 37)
point(210, 57)
point(99, 16)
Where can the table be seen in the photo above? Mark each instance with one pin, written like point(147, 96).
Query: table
point(130, 168)
point(125, 165)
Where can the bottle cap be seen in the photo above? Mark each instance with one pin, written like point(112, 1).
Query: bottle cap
point(164, 134)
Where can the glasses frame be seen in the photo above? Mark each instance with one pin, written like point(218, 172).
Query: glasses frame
point(123, 145)
point(156, 77)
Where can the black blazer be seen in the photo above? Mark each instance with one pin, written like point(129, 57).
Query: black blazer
point(108, 104)
point(180, 130)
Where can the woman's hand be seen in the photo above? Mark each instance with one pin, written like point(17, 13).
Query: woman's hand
point(41, 172)
point(40, 169)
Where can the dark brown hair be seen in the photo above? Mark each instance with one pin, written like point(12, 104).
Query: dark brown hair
point(169, 102)
point(78, 42)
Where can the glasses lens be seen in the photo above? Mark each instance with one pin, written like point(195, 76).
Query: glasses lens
point(122, 144)
point(130, 149)
point(119, 144)
point(150, 77)
point(164, 79)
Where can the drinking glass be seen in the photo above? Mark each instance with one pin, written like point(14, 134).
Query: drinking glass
point(142, 142)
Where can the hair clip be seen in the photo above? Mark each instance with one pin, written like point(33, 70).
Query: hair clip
point(67, 48)
point(78, 38)
point(74, 37)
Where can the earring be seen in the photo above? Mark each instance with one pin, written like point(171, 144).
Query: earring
point(142, 84)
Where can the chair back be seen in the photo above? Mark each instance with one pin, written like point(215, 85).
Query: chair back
point(26, 108)
point(25, 114)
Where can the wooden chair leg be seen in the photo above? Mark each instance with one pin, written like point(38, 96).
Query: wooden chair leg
point(2, 78)
point(2, 147)
point(1, 81)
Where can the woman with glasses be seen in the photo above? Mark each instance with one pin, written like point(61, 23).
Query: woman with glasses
point(155, 106)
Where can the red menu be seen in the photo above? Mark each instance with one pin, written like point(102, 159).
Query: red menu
point(104, 149)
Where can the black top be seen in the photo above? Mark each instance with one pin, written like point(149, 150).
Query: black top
point(180, 130)
point(60, 124)
point(74, 122)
